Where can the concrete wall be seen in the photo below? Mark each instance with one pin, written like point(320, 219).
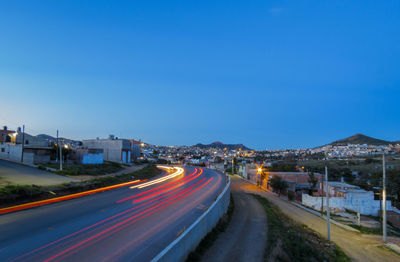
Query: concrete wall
point(112, 148)
point(364, 205)
point(12, 152)
point(92, 159)
point(189, 240)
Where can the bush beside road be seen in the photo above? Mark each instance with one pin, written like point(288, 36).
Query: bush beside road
point(90, 170)
point(287, 239)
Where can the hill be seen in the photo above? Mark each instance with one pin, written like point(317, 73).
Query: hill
point(362, 139)
point(53, 139)
point(222, 146)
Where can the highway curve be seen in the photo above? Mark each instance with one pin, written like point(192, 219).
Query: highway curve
point(125, 224)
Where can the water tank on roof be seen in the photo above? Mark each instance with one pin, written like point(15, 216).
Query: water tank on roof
point(112, 137)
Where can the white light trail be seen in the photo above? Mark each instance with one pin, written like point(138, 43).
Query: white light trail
point(178, 172)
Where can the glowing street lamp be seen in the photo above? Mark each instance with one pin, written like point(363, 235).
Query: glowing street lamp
point(260, 172)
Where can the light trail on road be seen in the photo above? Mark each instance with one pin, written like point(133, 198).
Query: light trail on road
point(157, 188)
point(179, 171)
point(118, 229)
point(134, 218)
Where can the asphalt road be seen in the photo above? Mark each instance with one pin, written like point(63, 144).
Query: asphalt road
point(359, 247)
point(119, 225)
point(17, 174)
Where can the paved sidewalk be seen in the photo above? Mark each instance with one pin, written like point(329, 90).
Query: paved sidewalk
point(359, 247)
point(246, 236)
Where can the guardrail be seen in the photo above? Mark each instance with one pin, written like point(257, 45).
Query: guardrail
point(181, 247)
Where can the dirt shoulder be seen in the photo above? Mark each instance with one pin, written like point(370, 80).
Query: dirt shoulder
point(246, 235)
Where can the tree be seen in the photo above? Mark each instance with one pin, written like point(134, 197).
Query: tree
point(313, 182)
point(278, 185)
point(347, 175)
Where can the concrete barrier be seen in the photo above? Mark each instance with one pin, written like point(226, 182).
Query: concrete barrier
point(181, 247)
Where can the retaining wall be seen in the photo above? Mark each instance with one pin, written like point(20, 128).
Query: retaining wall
point(190, 239)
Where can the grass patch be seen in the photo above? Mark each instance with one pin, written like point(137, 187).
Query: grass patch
point(19, 194)
point(91, 170)
point(289, 241)
point(210, 238)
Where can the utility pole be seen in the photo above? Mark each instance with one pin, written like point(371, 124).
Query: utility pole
point(23, 143)
point(59, 146)
point(327, 204)
point(322, 198)
point(384, 197)
point(233, 166)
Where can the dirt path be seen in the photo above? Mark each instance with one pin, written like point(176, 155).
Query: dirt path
point(246, 235)
point(359, 247)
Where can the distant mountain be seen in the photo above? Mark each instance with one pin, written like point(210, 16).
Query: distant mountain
point(53, 139)
point(362, 139)
point(221, 145)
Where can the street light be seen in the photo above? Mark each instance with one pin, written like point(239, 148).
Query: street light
point(260, 170)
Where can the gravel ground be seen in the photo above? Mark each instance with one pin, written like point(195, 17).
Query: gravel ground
point(246, 235)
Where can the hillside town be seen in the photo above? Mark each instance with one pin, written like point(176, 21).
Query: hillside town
point(19, 146)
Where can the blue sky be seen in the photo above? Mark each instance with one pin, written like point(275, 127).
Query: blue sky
point(268, 74)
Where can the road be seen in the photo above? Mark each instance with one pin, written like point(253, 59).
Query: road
point(17, 174)
point(246, 236)
point(124, 224)
point(359, 247)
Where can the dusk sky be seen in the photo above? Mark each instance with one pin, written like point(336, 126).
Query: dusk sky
point(268, 74)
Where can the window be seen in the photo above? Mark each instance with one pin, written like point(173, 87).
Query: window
point(3, 150)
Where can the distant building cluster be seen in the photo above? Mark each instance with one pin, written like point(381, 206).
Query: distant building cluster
point(19, 146)
point(336, 151)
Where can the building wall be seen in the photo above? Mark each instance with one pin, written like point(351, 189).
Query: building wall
point(363, 204)
point(31, 141)
point(92, 159)
point(40, 155)
point(112, 148)
point(136, 151)
point(12, 152)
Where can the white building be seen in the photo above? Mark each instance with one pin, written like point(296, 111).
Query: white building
point(114, 149)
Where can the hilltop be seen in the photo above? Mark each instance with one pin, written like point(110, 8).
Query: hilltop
point(53, 139)
point(221, 145)
point(362, 139)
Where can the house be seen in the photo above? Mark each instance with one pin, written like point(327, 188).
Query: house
point(336, 189)
point(114, 149)
point(297, 181)
point(343, 196)
point(13, 143)
point(6, 135)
